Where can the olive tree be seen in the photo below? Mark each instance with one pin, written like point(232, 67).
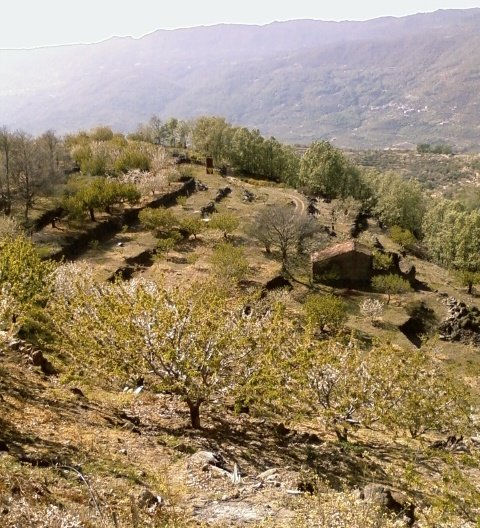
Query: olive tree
point(88, 194)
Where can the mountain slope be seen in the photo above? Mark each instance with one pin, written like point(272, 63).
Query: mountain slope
point(383, 82)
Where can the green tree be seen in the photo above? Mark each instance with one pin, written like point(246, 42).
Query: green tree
point(390, 284)
point(452, 235)
point(468, 279)
point(403, 237)
point(23, 271)
point(325, 312)
point(227, 223)
point(325, 171)
point(398, 202)
point(211, 137)
point(87, 194)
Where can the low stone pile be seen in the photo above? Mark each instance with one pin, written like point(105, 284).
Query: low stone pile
point(208, 209)
point(248, 196)
point(462, 323)
point(222, 193)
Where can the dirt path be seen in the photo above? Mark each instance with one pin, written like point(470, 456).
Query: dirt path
point(299, 203)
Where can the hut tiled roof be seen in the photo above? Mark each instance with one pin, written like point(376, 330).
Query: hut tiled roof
point(340, 249)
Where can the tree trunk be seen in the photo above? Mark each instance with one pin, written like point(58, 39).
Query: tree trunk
point(92, 214)
point(194, 408)
point(470, 288)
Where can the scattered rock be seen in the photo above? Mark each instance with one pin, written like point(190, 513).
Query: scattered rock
point(222, 193)
point(208, 209)
point(204, 459)
point(200, 186)
point(39, 360)
point(149, 500)
point(268, 473)
point(248, 196)
point(462, 323)
point(390, 500)
point(452, 443)
point(312, 207)
point(77, 392)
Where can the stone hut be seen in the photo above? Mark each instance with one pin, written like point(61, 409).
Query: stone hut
point(345, 264)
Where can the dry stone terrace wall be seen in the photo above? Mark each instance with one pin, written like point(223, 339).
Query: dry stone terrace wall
point(106, 229)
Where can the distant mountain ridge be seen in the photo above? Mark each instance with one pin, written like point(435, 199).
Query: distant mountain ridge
point(380, 83)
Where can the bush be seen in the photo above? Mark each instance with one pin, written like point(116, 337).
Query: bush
point(382, 261)
point(225, 222)
point(371, 309)
point(160, 221)
point(192, 225)
point(101, 133)
point(131, 159)
point(229, 262)
point(165, 245)
point(325, 312)
point(402, 237)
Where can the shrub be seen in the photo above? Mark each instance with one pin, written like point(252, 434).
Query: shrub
point(165, 245)
point(382, 261)
point(402, 237)
point(192, 225)
point(225, 222)
point(229, 262)
point(101, 133)
point(130, 159)
point(325, 312)
point(371, 309)
point(160, 221)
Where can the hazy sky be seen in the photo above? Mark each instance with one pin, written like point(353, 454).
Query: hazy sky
point(30, 23)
